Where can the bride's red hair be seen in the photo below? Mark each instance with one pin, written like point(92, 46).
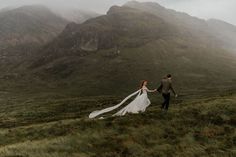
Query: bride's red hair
point(142, 83)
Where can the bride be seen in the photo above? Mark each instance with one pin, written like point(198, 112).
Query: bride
point(139, 104)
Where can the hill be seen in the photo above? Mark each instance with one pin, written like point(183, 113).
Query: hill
point(117, 50)
point(59, 127)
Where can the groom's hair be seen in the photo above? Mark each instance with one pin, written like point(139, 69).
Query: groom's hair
point(168, 75)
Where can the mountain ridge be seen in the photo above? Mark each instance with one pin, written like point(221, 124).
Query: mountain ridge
point(201, 27)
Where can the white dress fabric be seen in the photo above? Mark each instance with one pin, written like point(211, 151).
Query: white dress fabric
point(139, 104)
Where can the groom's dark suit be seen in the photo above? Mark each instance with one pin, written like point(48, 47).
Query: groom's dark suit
point(165, 88)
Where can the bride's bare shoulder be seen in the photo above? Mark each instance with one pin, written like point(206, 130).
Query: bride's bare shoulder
point(144, 87)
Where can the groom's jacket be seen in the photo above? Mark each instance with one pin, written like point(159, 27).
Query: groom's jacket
point(166, 86)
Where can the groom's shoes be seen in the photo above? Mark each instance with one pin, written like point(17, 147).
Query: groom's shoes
point(163, 109)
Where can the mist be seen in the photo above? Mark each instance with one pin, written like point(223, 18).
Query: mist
point(219, 9)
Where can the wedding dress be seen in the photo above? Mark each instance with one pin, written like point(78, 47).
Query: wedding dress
point(139, 104)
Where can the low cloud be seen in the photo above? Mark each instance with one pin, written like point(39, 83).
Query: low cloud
point(220, 9)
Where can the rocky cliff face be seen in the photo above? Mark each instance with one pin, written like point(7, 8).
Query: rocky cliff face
point(121, 27)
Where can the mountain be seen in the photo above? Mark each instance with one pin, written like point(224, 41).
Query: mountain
point(110, 54)
point(221, 32)
point(104, 32)
point(23, 30)
point(29, 24)
point(180, 20)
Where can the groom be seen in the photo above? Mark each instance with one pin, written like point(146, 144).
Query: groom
point(165, 88)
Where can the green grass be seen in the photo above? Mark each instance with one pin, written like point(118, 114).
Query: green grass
point(59, 127)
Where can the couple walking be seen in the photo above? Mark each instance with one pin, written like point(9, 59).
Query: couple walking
point(141, 102)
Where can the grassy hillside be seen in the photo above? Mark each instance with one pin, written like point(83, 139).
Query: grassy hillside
point(59, 127)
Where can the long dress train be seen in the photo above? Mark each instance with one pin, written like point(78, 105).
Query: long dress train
point(139, 104)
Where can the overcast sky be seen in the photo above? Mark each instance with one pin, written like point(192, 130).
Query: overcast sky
point(221, 9)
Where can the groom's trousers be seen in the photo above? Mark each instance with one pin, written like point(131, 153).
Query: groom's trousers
point(165, 104)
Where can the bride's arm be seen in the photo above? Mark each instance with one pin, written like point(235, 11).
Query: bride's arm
point(151, 91)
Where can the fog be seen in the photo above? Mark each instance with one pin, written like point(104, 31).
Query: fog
point(220, 9)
